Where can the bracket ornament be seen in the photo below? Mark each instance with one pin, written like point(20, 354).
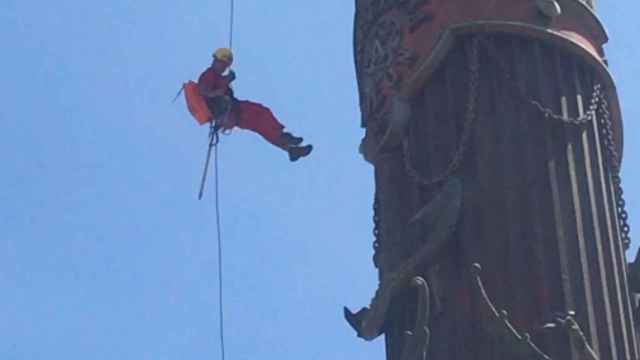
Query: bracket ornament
point(434, 222)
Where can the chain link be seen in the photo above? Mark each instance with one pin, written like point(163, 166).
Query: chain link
point(376, 230)
point(597, 104)
point(596, 96)
point(470, 116)
point(613, 160)
point(606, 131)
point(623, 216)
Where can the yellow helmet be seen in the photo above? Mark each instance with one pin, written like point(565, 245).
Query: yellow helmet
point(223, 54)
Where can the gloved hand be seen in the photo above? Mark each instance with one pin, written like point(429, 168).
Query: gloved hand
point(231, 76)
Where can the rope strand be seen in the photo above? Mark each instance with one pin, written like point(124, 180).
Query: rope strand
point(231, 16)
point(220, 297)
point(217, 193)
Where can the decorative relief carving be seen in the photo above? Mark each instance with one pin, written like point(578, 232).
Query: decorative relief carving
point(377, 53)
point(380, 29)
point(373, 9)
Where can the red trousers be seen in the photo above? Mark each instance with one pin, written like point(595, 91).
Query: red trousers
point(257, 118)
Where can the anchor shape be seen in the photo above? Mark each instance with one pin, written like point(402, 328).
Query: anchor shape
point(434, 222)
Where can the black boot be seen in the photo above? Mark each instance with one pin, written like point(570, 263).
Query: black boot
point(296, 152)
point(291, 140)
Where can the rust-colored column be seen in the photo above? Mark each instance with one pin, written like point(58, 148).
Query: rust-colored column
point(507, 109)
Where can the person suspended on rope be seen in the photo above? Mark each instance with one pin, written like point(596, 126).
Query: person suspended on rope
point(228, 112)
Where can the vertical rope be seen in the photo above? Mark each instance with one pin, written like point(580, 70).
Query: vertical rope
point(220, 293)
point(231, 16)
point(217, 193)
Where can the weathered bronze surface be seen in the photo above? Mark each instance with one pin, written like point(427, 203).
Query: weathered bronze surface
point(432, 225)
point(512, 100)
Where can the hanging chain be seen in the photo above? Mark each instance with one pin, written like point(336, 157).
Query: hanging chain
point(623, 216)
point(598, 103)
point(596, 96)
point(613, 160)
point(607, 136)
point(376, 230)
point(470, 116)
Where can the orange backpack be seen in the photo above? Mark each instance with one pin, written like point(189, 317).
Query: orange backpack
point(195, 103)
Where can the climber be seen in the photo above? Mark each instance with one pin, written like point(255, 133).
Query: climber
point(228, 112)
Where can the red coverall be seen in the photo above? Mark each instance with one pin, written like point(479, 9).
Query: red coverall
point(244, 114)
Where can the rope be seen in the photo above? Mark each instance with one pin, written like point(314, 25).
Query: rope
point(213, 142)
point(213, 145)
point(219, 233)
point(231, 13)
point(220, 297)
point(231, 16)
point(214, 139)
point(217, 193)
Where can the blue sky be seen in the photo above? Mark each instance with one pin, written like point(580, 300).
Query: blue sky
point(105, 252)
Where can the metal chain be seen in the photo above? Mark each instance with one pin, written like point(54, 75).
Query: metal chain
point(598, 103)
point(376, 230)
point(623, 216)
point(596, 97)
point(470, 116)
point(547, 112)
point(613, 160)
point(607, 135)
